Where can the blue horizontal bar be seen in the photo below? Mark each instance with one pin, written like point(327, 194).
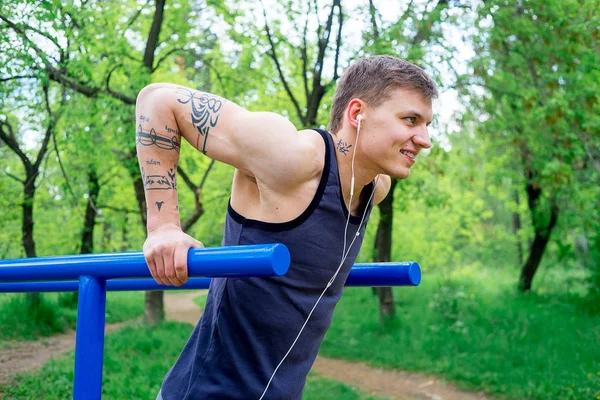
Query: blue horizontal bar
point(373, 274)
point(232, 261)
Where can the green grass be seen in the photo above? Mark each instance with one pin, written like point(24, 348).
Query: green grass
point(476, 330)
point(18, 321)
point(201, 300)
point(135, 362)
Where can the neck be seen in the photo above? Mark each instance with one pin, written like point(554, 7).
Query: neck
point(344, 149)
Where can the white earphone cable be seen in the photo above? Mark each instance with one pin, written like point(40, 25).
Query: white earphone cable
point(345, 253)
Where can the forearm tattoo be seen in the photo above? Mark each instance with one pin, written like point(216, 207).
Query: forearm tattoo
point(160, 182)
point(205, 112)
point(343, 147)
point(160, 140)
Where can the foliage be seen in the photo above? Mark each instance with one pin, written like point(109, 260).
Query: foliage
point(473, 328)
point(56, 314)
point(135, 362)
point(528, 118)
point(536, 60)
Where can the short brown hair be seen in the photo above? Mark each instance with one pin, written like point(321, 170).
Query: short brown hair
point(373, 79)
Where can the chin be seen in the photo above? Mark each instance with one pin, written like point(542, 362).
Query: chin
point(402, 174)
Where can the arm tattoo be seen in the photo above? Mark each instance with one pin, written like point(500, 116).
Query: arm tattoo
point(343, 147)
point(205, 112)
point(160, 182)
point(161, 141)
point(159, 204)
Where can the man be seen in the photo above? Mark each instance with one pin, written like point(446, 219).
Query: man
point(258, 337)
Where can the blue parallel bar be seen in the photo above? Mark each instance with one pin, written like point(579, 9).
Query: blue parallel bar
point(371, 274)
point(89, 345)
point(385, 274)
point(93, 270)
point(231, 261)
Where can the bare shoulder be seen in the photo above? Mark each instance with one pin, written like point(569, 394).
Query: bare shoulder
point(382, 189)
point(292, 159)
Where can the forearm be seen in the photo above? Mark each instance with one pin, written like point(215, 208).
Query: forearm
point(158, 143)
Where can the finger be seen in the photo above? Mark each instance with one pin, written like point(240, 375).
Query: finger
point(198, 244)
point(152, 268)
point(160, 270)
point(181, 266)
point(169, 268)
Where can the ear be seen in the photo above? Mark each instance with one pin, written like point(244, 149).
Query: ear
point(355, 108)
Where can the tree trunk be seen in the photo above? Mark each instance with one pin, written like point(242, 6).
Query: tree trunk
point(154, 310)
point(154, 34)
point(87, 235)
point(313, 105)
point(542, 236)
point(516, 219)
point(154, 305)
point(383, 250)
point(27, 228)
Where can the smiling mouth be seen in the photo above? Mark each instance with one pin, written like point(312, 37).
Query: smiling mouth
point(409, 154)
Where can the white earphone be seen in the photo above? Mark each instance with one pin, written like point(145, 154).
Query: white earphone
point(345, 253)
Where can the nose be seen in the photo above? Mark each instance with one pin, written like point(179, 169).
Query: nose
point(422, 139)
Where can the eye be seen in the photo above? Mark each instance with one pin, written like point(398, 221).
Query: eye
point(412, 120)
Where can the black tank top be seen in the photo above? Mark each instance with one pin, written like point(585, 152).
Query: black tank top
point(249, 323)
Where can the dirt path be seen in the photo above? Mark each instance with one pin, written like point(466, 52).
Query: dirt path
point(395, 385)
point(24, 356)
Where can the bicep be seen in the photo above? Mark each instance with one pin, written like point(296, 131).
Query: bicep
point(255, 142)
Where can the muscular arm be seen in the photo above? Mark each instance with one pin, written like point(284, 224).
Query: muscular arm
point(261, 144)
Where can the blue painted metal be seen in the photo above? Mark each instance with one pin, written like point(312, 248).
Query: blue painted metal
point(232, 261)
point(93, 271)
point(385, 274)
point(372, 274)
point(89, 345)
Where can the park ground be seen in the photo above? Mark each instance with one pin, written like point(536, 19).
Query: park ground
point(452, 339)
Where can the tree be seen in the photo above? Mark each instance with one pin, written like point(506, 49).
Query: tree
point(536, 59)
point(83, 46)
point(380, 43)
point(31, 167)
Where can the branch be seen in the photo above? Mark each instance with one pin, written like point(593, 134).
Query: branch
point(163, 58)
point(53, 121)
point(198, 208)
point(595, 162)
point(111, 55)
point(117, 95)
point(123, 210)
point(338, 43)
point(373, 12)
point(58, 76)
point(318, 20)
point(323, 42)
point(64, 172)
point(427, 23)
point(303, 51)
point(16, 178)
point(11, 141)
point(405, 14)
point(219, 78)
point(44, 148)
point(186, 178)
point(153, 35)
point(10, 78)
point(135, 16)
point(273, 55)
point(212, 162)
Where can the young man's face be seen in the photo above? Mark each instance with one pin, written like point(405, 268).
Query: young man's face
point(396, 131)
